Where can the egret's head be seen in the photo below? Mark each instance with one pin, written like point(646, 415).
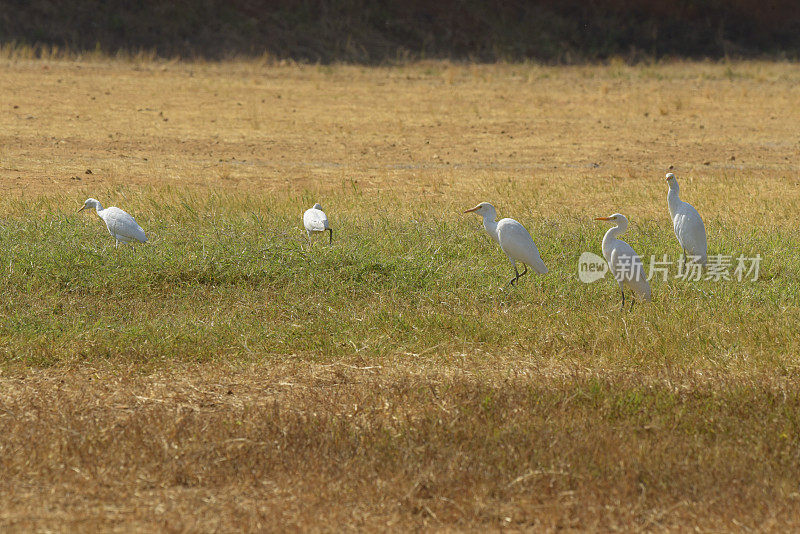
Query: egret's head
point(90, 203)
point(671, 180)
point(483, 209)
point(618, 218)
point(317, 206)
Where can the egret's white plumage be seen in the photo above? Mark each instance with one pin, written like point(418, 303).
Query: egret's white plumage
point(315, 221)
point(623, 262)
point(686, 221)
point(513, 238)
point(120, 224)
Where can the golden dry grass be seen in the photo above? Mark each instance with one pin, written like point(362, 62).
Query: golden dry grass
point(436, 129)
point(538, 410)
point(293, 445)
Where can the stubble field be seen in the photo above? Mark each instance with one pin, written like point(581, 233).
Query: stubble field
point(226, 376)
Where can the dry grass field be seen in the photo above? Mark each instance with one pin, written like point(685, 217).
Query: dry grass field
point(226, 377)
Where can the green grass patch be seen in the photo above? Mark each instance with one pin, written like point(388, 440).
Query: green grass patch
point(226, 277)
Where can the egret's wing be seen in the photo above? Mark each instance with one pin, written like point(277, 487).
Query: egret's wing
point(622, 257)
point(637, 280)
point(315, 220)
point(121, 224)
point(690, 231)
point(627, 265)
point(518, 244)
point(641, 287)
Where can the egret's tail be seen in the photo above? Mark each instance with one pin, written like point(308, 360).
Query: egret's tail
point(539, 266)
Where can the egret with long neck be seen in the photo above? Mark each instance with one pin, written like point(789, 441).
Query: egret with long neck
point(687, 223)
point(120, 224)
point(513, 239)
point(623, 262)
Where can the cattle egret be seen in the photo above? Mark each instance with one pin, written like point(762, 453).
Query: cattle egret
point(513, 238)
point(623, 262)
point(688, 226)
point(315, 221)
point(120, 224)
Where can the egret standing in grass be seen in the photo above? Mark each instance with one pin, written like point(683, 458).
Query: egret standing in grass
point(623, 262)
point(315, 221)
point(120, 224)
point(688, 226)
point(513, 238)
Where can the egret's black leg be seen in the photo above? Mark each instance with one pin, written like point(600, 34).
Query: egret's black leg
point(622, 308)
point(632, 301)
point(516, 276)
point(331, 236)
point(523, 272)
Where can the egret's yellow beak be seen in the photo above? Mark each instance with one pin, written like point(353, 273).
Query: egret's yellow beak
point(473, 209)
point(604, 218)
point(83, 208)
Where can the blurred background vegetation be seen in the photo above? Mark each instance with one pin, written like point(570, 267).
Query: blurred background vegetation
point(383, 31)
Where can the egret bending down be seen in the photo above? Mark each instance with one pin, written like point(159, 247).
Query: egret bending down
point(513, 238)
point(623, 262)
point(120, 224)
point(688, 226)
point(315, 221)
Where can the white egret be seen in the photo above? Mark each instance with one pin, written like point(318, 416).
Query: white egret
point(513, 238)
point(623, 262)
point(120, 224)
point(315, 221)
point(688, 226)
